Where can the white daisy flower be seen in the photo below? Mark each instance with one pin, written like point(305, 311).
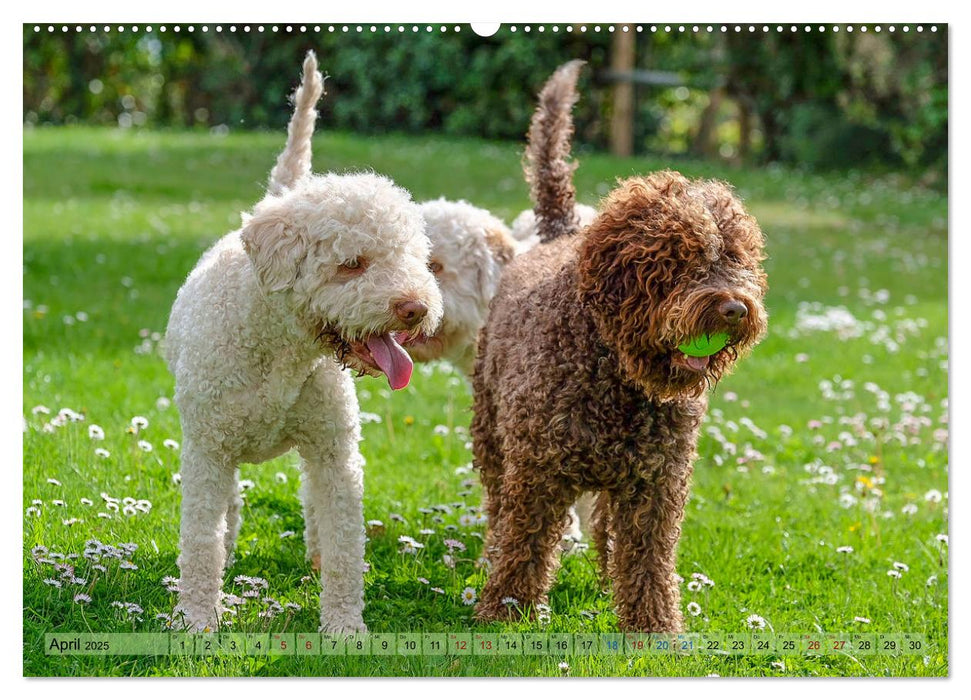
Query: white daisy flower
point(755, 622)
point(96, 432)
point(469, 596)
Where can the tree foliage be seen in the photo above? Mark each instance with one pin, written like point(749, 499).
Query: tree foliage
point(819, 99)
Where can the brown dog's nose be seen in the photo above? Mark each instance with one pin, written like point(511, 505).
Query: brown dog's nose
point(733, 311)
point(410, 312)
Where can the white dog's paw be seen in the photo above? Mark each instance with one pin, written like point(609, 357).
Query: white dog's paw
point(343, 626)
point(199, 618)
point(200, 625)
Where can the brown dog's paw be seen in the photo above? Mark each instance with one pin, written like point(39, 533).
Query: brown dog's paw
point(503, 611)
point(488, 612)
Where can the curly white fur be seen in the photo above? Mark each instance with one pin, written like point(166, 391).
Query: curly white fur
point(525, 231)
point(253, 340)
point(294, 162)
point(470, 248)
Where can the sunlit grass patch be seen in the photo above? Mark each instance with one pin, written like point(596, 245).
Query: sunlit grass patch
point(822, 465)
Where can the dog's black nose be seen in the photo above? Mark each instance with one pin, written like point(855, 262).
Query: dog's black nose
point(410, 312)
point(733, 311)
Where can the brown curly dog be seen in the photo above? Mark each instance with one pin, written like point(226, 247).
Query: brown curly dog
point(579, 385)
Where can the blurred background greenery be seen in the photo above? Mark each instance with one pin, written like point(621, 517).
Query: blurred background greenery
point(833, 99)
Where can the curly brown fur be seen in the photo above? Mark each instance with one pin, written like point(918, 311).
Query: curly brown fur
point(579, 386)
point(547, 168)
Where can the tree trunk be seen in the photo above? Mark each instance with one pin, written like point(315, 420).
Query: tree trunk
point(622, 117)
point(704, 144)
point(744, 130)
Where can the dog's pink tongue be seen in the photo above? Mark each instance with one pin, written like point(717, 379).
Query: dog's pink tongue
point(392, 359)
point(697, 363)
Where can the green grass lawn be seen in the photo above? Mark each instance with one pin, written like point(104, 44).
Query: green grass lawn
point(833, 434)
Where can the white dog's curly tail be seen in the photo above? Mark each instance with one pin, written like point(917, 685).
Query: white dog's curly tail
point(547, 164)
point(294, 162)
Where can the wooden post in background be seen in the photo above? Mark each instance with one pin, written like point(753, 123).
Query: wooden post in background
point(622, 116)
point(704, 141)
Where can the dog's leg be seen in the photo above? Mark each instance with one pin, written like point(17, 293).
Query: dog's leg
point(234, 519)
point(599, 524)
point(645, 526)
point(580, 516)
point(486, 452)
point(572, 534)
point(335, 491)
point(207, 488)
point(327, 433)
point(524, 542)
point(310, 527)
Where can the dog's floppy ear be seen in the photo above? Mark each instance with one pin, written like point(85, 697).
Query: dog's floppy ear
point(274, 248)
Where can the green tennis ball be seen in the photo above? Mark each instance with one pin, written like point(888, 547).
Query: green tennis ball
point(704, 345)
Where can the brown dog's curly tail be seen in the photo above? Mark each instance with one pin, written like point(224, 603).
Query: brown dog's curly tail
point(294, 162)
point(548, 170)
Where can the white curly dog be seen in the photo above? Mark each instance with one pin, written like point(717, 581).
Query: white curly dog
point(469, 249)
point(326, 275)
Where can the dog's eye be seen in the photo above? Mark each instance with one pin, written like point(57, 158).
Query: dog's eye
point(435, 267)
point(355, 265)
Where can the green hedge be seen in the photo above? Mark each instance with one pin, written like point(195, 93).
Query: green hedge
point(817, 99)
point(457, 83)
